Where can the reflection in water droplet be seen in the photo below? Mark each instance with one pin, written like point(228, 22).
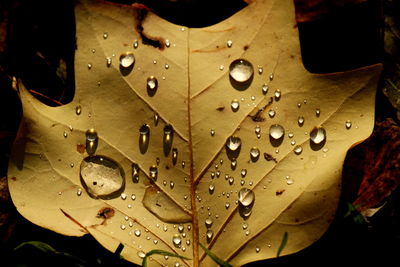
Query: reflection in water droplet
point(298, 149)
point(276, 131)
point(126, 59)
point(235, 105)
point(348, 124)
point(174, 156)
point(300, 121)
point(254, 154)
point(229, 43)
point(241, 70)
point(91, 141)
point(135, 173)
point(101, 177)
point(318, 135)
point(153, 173)
point(177, 240)
point(78, 110)
point(264, 89)
point(209, 235)
point(168, 139)
point(271, 113)
point(277, 94)
point(243, 173)
point(144, 138)
point(152, 85)
point(317, 112)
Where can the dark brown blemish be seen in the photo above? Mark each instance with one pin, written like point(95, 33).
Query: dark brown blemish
point(80, 148)
point(269, 157)
point(141, 13)
point(105, 213)
point(279, 192)
point(14, 178)
point(221, 108)
point(246, 47)
point(257, 117)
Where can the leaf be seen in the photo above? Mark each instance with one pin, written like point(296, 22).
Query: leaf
point(160, 252)
point(283, 244)
point(215, 257)
point(172, 205)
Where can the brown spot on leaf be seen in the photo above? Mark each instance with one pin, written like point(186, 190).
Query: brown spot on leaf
point(279, 192)
point(80, 148)
point(141, 13)
point(221, 108)
point(257, 117)
point(245, 47)
point(269, 157)
point(105, 213)
point(14, 178)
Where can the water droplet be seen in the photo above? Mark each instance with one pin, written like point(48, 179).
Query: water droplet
point(177, 240)
point(243, 173)
point(211, 188)
point(152, 85)
point(276, 131)
point(171, 184)
point(135, 173)
point(133, 196)
point(317, 112)
point(348, 124)
point(167, 43)
point(156, 119)
point(299, 105)
point(65, 134)
point(305, 101)
point(108, 61)
point(93, 50)
point(141, 254)
point(227, 205)
point(183, 164)
point(277, 94)
point(246, 197)
point(105, 35)
point(209, 235)
point(91, 141)
point(235, 105)
point(257, 130)
point(242, 182)
point(168, 139)
point(264, 89)
point(135, 44)
point(318, 135)
point(89, 66)
point(257, 249)
point(101, 177)
point(174, 156)
point(221, 67)
point(293, 142)
point(166, 66)
point(208, 222)
point(297, 150)
point(300, 121)
point(231, 180)
point(153, 173)
point(241, 70)
point(254, 154)
point(144, 138)
point(233, 164)
point(78, 110)
point(123, 196)
point(260, 70)
point(137, 232)
point(290, 135)
point(271, 76)
point(233, 143)
point(229, 43)
point(126, 59)
point(212, 132)
point(271, 113)
point(181, 228)
point(244, 226)
point(289, 181)
point(79, 192)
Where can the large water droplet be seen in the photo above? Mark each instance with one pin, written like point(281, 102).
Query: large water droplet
point(174, 156)
point(135, 173)
point(300, 121)
point(127, 59)
point(241, 70)
point(318, 135)
point(254, 154)
point(235, 105)
point(177, 240)
point(276, 131)
point(102, 177)
point(152, 85)
point(144, 138)
point(153, 173)
point(91, 141)
point(246, 199)
point(233, 143)
point(348, 124)
point(168, 138)
point(209, 235)
point(208, 222)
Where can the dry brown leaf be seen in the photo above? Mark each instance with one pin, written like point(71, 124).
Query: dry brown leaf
point(194, 95)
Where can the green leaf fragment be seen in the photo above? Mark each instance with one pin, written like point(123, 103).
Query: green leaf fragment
point(160, 252)
point(215, 257)
point(283, 244)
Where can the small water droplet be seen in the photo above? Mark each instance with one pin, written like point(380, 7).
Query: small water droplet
point(231, 180)
point(276, 131)
point(133, 196)
point(65, 134)
point(297, 150)
point(183, 164)
point(78, 110)
point(318, 135)
point(293, 142)
point(242, 182)
point(271, 113)
point(264, 89)
point(135, 173)
point(325, 150)
point(253, 98)
point(165, 228)
point(254, 154)
point(211, 188)
point(305, 101)
point(271, 76)
point(126, 59)
point(105, 35)
point(277, 94)
point(93, 50)
point(257, 130)
point(156, 119)
point(229, 43)
point(257, 249)
point(171, 184)
point(212, 132)
point(108, 61)
point(137, 232)
point(101, 176)
point(177, 240)
point(246, 198)
point(348, 124)
point(289, 181)
point(174, 156)
point(317, 112)
point(91, 141)
point(208, 222)
point(299, 105)
point(241, 70)
point(166, 66)
point(227, 205)
point(168, 139)
point(221, 67)
point(243, 173)
point(144, 138)
point(300, 121)
point(152, 85)
point(79, 192)
point(235, 105)
point(153, 173)
point(260, 69)
point(233, 164)
point(135, 44)
point(181, 228)
point(141, 254)
point(167, 43)
point(290, 135)
point(89, 66)
point(123, 196)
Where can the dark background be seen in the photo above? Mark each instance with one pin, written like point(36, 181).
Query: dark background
point(37, 43)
